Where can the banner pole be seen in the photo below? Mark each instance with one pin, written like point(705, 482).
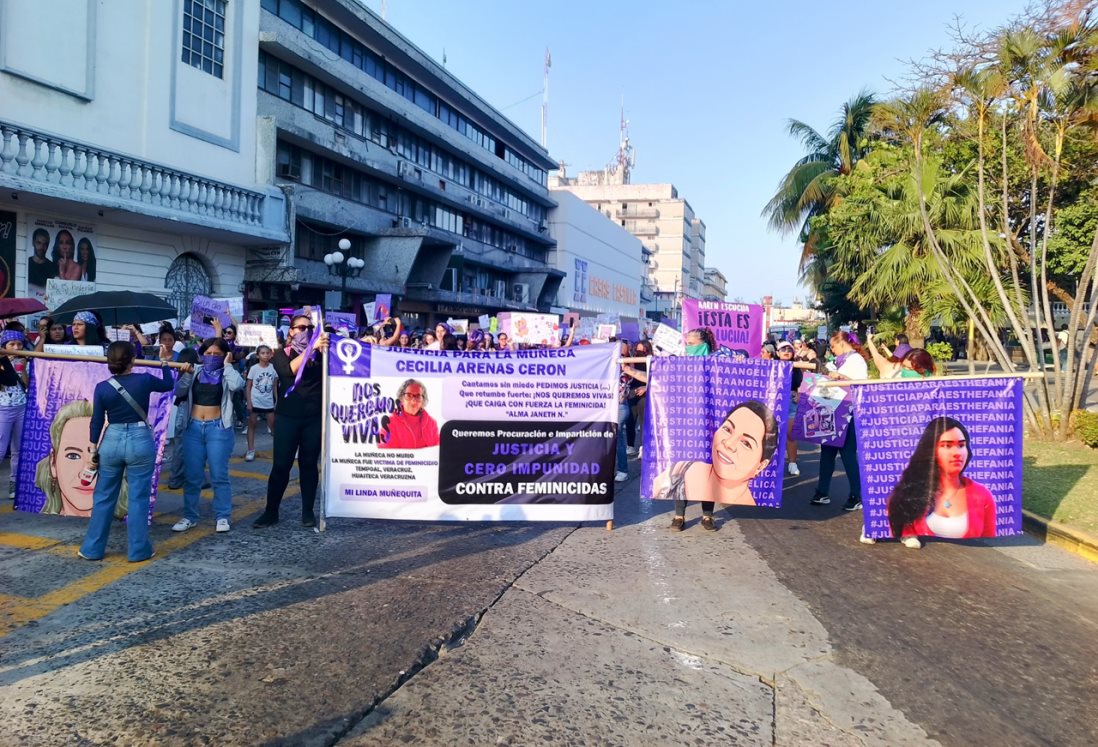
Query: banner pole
point(965, 377)
point(322, 491)
point(91, 358)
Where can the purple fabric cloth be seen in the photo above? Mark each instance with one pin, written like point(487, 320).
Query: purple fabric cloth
point(299, 341)
point(213, 368)
point(901, 350)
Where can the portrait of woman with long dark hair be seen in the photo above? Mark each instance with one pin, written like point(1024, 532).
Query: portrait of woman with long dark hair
point(933, 497)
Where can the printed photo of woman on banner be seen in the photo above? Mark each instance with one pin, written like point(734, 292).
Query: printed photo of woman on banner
point(823, 413)
point(717, 431)
point(940, 458)
point(56, 446)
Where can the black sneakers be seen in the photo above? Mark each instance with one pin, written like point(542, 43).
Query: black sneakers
point(820, 500)
point(852, 504)
point(265, 520)
point(308, 519)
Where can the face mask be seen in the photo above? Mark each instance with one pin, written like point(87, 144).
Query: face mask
point(213, 366)
point(299, 341)
point(701, 348)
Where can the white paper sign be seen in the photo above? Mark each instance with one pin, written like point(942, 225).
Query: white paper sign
point(668, 341)
point(603, 332)
point(537, 329)
point(84, 350)
point(460, 326)
point(61, 291)
point(254, 335)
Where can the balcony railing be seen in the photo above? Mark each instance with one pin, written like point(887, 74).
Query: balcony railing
point(633, 212)
point(34, 157)
point(642, 229)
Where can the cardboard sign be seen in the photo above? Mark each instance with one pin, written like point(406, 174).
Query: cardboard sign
point(254, 335)
point(603, 332)
point(535, 329)
point(204, 309)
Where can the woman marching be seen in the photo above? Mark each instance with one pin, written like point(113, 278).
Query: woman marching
point(208, 435)
point(850, 364)
point(127, 448)
point(13, 399)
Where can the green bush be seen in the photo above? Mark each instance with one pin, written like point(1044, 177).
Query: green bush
point(940, 351)
point(1085, 425)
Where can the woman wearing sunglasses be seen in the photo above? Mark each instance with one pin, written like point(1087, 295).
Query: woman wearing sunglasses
point(298, 417)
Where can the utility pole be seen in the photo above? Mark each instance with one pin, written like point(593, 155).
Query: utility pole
point(545, 102)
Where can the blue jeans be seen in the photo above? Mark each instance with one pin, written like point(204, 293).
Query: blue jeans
point(127, 449)
point(207, 442)
point(623, 416)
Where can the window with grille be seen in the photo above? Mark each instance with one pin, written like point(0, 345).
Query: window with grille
point(204, 35)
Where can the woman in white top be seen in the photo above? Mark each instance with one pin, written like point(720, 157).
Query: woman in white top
point(850, 363)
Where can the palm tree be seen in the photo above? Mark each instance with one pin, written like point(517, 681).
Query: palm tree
point(808, 189)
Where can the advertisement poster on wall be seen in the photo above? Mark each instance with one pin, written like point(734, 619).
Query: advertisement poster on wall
point(7, 254)
point(60, 250)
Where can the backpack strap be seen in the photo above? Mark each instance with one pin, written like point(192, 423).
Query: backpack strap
point(130, 400)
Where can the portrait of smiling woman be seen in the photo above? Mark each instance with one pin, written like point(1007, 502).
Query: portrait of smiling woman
point(933, 497)
point(741, 449)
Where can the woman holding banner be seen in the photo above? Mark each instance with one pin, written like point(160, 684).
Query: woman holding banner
point(13, 399)
point(127, 449)
point(850, 363)
point(741, 449)
point(298, 420)
point(933, 497)
point(208, 435)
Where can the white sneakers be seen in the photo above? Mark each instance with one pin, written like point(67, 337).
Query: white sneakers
point(249, 457)
point(184, 524)
point(866, 540)
point(794, 470)
point(621, 476)
point(913, 542)
point(631, 450)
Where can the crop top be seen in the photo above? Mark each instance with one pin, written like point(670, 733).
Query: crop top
point(206, 395)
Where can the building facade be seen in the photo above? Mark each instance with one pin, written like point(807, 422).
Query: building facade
point(715, 287)
point(665, 224)
point(444, 198)
point(603, 263)
point(135, 141)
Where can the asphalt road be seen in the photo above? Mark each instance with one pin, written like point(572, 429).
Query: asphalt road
point(779, 629)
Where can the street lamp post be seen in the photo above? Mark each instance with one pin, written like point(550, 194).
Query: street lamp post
point(344, 266)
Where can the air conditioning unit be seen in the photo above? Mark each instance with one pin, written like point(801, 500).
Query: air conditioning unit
point(520, 292)
point(289, 171)
point(543, 227)
point(405, 222)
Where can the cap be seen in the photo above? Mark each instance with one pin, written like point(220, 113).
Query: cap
point(785, 344)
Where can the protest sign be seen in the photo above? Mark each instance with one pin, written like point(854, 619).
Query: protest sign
point(459, 326)
point(448, 435)
point(630, 328)
point(715, 430)
point(342, 320)
point(204, 310)
point(585, 330)
point(823, 412)
point(482, 320)
point(368, 312)
point(941, 458)
point(81, 350)
point(59, 292)
point(254, 335)
point(667, 341)
point(603, 332)
point(738, 327)
point(55, 437)
point(523, 327)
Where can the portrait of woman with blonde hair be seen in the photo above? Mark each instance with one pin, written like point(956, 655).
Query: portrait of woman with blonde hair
point(58, 474)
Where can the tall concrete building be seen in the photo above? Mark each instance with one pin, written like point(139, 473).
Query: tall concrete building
point(716, 285)
point(673, 237)
point(443, 197)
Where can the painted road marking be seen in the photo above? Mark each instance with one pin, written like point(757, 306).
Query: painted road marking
point(18, 611)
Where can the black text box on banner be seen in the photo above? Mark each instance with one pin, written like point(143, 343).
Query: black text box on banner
point(534, 462)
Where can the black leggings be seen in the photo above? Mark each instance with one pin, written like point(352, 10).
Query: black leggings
point(300, 437)
point(680, 508)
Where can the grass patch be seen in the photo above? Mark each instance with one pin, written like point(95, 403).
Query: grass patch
point(1060, 482)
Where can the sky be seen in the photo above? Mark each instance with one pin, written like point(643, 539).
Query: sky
point(708, 86)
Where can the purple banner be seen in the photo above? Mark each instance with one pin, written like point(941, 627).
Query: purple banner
point(941, 458)
point(823, 412)
point(56, 432)
point(716, 430)
point(738, 327)
point(383, 307)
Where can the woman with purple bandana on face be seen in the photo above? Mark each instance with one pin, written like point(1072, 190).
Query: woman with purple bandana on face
point(208, 436)
point(298, 418)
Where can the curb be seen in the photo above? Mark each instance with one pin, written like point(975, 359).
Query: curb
point(1054, 533)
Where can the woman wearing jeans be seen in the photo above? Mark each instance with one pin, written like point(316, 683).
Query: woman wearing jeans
point(127, 448)
point(13, 399)
point(208, 436)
